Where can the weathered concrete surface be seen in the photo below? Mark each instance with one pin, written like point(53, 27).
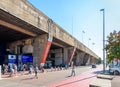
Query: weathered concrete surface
point(115, 82)
point(106, 81)
point(102, 76)
point(34, 20)
point(100, 83)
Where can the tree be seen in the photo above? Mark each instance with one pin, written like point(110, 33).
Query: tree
point(113, 46)
point(99, 61)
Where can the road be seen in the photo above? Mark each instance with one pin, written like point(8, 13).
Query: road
point(52, 79)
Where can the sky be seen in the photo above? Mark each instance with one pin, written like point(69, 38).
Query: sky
point(83, 19)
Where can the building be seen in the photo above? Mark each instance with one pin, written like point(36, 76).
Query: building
point(29, 36)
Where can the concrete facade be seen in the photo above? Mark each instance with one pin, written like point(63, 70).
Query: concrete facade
point(39, 27)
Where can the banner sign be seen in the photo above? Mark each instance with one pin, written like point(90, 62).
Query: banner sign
point(12, 59)
point(27, 58)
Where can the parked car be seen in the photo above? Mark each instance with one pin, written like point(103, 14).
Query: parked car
point(93, 66)
point(114, 68)
point(114, 71)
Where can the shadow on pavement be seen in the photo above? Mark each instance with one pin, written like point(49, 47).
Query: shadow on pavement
point(28, 78)
point(68, 76)
point(96, 72)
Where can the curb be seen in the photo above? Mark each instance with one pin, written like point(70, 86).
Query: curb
point(102, 81)
point(101, 76)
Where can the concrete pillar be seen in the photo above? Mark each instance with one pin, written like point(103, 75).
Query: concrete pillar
point(77, 58)
point(82, 54)
point(38, 48)
point(28, 48)
point(85, 59)
point(88, 60)
point(70, 50)
point(95, 60)
point(92, 61)
point(65, 54)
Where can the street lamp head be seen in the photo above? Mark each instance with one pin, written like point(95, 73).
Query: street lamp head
point(89, 39)
point(93, 43)
point(101, 9)
point(83, 31)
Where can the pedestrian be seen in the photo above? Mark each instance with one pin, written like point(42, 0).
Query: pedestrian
point(24, 68)
point(42, 68)
point(73, 71)
point(15, 69)
point(5, 68)
point(30, 69)
point(36, 71)
point(11, 71)
point(66, 66)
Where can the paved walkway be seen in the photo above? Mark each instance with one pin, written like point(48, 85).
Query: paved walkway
point(82, 80)
point(115, 82)
point(57, 78)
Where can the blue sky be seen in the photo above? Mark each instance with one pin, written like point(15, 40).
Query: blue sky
point(76, 16)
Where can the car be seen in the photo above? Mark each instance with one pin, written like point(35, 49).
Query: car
point(93, 66)
point(114, 67)
point(114, 71)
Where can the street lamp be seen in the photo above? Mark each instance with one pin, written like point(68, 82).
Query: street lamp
point(93, 46)
point(104, 61)
point(83, 32)
point(88, 41)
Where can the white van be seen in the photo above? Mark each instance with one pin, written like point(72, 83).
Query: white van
point(114, 68)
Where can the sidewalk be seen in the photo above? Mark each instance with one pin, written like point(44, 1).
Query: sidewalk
point(101, 81)
point(21, 73)
point(106, 81)
point(115, 82)
point(82, 80)
point(44, 79)
point(84, 76)
point(7, 76)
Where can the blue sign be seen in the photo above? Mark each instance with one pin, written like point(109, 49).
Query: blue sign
point(12, 59)
point(27, 58)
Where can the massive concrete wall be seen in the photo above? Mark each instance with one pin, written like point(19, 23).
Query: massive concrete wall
point(27, 12)
point(39, 46)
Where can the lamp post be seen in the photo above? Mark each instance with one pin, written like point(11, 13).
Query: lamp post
point(93, 46)
point(83, 32)
point(104, 61)
point(89, 39)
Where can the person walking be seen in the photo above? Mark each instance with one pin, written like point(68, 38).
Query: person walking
point(31, 69)
point(36, 71)
point(73, 71)
point(15, 69)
